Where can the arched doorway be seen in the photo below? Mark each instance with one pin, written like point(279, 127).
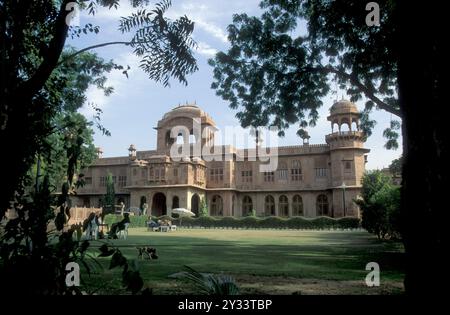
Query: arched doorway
point(175, 202)
point(195, 204)
point(159, 206)
point(216, 206)
point(322, 205)
point(269, 206)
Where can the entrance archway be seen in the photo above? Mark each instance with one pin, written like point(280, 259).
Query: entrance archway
point(159, 206)
point(195, 204)
point(175, 202)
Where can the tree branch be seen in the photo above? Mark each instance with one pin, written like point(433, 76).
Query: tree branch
point(367, 92)
point(37, 81)
point(71, 56)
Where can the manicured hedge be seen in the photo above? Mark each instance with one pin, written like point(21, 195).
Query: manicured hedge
point(249, 222)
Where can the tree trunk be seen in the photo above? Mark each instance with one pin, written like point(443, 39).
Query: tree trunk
point(425, 146)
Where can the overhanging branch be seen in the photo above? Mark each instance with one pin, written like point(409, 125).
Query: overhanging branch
point(37, 81)
point(71, 56)
point(354, 81)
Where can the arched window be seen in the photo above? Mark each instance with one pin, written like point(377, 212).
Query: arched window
point(169, 140)
point(247, 205)
point(192, 139)
point(335, 127)
point(345, 125)
point(216, 206)
point(282, 171)
point(297, 206)
point(296, 171)
point(322, 205)
point(269, 206)
point(175, 202)
point(180, 139)
point(283, 206)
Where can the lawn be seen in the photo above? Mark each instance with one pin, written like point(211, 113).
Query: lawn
point(263, 261)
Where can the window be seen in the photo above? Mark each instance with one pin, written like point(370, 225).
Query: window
point(216, 206)
point(348, 166)
point(269, 176)
point(114, 178)
point(282, 171)
point(88, 180)
point(321, 172)
point(283, 207)
point(134, 172)
point(322, 205)
point(102, 181)
point(297, 205)
point(216, 174)
point(144, 173)
point(122, 181)
point(247, 205)
point(175, 172)
point(296, 171)
point(269, 206)
point(247, 176)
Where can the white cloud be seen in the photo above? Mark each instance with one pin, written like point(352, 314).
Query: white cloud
point(211, 29)
point(206, 50)
point(116, 79)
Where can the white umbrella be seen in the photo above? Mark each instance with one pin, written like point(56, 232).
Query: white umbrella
point(182, 212)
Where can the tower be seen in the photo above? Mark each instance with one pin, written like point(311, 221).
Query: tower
point(191, 125)
point(347, 156)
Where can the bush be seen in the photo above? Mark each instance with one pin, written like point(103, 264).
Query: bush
point(380, 204)
point(248, 222)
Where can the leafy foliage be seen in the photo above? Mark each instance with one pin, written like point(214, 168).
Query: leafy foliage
point(164, 45)
point(396, 166)
point(211, 284)
point(204, 211)
point(249, 222)
point(380, 205)
point(43, 85)
point(275, 75)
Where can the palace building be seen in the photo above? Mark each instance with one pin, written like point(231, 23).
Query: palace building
point(310, 179)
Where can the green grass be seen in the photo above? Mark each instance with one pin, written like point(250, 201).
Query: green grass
point(264, 261)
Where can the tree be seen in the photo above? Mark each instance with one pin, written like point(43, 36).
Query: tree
point(396, 166)
point(33, 35)
point(204, 211)
point(42, 85)
point(380, 204)
point(276, 77)
point(109, 200)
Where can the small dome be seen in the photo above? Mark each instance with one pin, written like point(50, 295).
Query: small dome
point(185, 110)
point(343, 107)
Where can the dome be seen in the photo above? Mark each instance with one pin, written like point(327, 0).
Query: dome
point(343, 107)
point(185, 110)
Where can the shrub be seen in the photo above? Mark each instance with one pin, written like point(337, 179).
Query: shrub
point(380, 204)
point(248, 222)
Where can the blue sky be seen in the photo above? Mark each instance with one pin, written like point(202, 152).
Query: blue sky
point(137, 103)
